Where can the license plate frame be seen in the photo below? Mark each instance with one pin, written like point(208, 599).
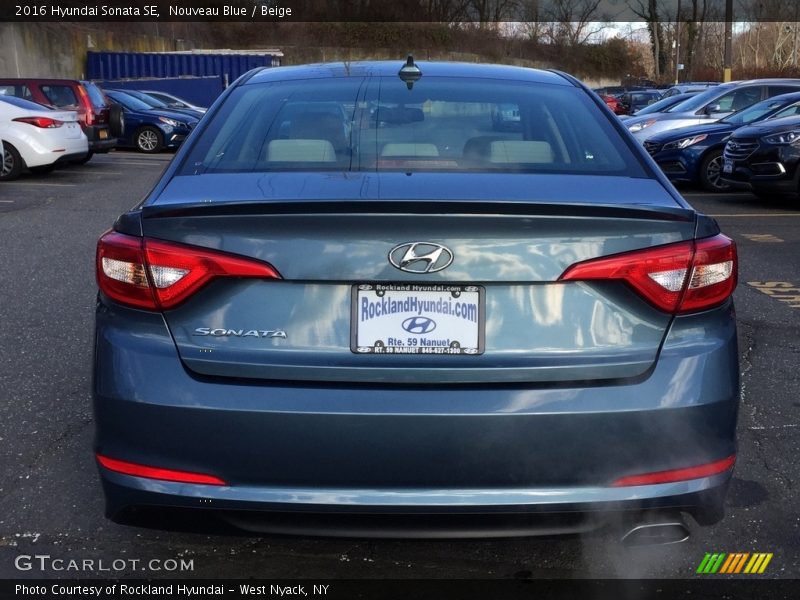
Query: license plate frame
point(103, 134)
point(727, 166)
point(402, 303)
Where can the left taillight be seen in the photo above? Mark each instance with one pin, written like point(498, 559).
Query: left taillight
point(158, 275)
point(41, 122)
point(676, 278)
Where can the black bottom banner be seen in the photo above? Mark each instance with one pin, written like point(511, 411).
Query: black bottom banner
point(407, 589)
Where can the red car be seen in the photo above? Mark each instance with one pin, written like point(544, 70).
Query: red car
point(614, 104)
point(101, 123)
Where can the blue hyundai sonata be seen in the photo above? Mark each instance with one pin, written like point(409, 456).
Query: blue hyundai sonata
point(352, 305)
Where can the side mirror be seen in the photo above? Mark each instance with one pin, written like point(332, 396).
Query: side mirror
point(713, 108)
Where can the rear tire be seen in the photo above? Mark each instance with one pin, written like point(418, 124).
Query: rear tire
point(12, 164)
point(149, 140)
point(116, 120)
point(711, 173)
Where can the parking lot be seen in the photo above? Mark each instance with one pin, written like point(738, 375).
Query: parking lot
point(50, 497)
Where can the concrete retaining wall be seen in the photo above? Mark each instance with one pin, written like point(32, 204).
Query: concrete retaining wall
point(52, 50)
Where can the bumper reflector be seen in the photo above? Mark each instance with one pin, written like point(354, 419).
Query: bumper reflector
point(128, 468)
point(673, 475)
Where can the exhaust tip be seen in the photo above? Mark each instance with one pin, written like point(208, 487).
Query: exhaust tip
point(657, 531)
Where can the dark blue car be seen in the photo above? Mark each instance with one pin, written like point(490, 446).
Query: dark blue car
point(352, 305)
point(150, 129)
point(694, 154)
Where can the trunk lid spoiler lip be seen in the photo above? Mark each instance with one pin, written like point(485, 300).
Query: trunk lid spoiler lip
point(432, 206)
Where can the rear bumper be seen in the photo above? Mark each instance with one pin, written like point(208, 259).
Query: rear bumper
point(66, 158)
point(100, 138)
point(35, 153)
point(418, 513)
point(340, 448)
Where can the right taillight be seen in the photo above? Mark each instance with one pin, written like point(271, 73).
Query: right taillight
point(676, 278)
point(86, 104)
point(158, 275)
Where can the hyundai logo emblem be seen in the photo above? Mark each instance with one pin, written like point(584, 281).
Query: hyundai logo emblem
point(419, 325)
point(420, 257)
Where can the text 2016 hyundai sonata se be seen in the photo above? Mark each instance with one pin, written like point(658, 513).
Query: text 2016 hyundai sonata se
point(353, 305)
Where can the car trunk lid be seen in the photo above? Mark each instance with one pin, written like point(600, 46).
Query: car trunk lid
point(336, 255)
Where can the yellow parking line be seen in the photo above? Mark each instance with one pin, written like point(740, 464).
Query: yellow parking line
point(784, 291)
point(765, 238)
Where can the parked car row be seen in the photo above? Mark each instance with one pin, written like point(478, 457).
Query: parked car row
point(633, 100)
point(45, 123)
point(737, 134)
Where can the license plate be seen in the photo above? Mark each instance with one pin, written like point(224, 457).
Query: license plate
point(727, 166)
point(103, 134)
point(417, 319)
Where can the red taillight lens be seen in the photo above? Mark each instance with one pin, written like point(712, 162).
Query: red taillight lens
point(685, 474)
point(43, 122)
point(86, 104)
point(137, 470)
point(681, 277)
point(714, 275)
point(121, 273)
point(153, 274)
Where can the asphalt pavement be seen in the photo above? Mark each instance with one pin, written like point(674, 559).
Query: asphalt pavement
point(50, 497)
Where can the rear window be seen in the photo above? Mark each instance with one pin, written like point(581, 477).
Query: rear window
point(20, 91)
point(61, 96)
point(95, 95)
point(441, 124)
point(22, 103)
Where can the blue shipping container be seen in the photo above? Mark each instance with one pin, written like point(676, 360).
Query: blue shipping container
point(138, 65)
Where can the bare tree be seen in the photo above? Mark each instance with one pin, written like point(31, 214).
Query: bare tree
point(492, 11)
point(695, 24)
point(445, 11)
point(574, 22)
point(649, 13)
point(532, 25)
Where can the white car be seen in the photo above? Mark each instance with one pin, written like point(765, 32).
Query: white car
point(37, 138)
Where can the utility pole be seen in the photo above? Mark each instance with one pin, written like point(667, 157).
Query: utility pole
point(677, 43)
point(726, 75)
